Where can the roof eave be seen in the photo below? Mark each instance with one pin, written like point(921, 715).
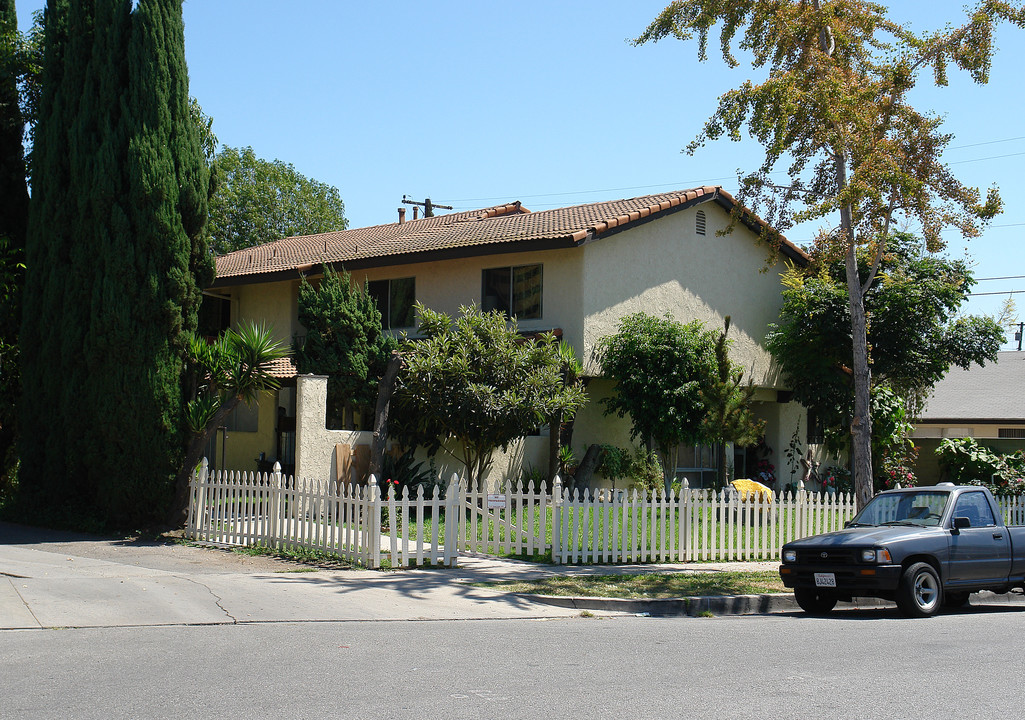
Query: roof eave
point(457, 253)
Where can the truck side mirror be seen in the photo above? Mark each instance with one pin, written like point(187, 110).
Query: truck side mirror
point(960, 523)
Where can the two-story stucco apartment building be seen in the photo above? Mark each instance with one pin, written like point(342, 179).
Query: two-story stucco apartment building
point(575, 270)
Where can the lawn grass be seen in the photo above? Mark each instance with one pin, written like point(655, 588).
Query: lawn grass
point(649, 586)
point(591, 530)
point(296, 554)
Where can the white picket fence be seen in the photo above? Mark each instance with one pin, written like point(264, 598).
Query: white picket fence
point(370, 526)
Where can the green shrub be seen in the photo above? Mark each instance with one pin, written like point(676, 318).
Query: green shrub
point(966, 461)
point(402, 472)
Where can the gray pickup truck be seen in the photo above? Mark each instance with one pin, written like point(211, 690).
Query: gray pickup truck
point(925, 548)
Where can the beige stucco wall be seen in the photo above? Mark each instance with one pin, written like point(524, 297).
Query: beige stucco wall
point(665, 267)
point(315, 445)
point(243, 448)
point(446, 285)
point(273, 303)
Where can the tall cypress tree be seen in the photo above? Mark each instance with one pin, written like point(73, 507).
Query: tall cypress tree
point(44, 472)
point(13, 191)
point(13, 224)
point(118, 234)
point(154, 247)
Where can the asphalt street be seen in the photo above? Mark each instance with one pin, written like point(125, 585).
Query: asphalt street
point(119, 629)
point(858, 664)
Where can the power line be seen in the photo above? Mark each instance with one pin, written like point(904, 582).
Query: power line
point(685, 183)
point(988, 142)
point(1005, 292)
point(992, 157)
point(1006, 277)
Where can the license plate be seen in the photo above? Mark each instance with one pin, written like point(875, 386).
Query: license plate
point(825, 580)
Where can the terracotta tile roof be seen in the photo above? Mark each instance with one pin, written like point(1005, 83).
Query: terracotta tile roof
point(466, 232)
point(282, 369)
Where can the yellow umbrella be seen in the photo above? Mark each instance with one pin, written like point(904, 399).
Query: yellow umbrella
point(752, 487)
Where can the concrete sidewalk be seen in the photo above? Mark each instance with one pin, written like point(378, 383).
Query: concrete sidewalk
point(57, 579)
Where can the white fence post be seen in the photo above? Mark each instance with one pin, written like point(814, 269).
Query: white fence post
point(277, 507)
point(197, 498)
point(374, 524)
point(453, 516)
point(557, 510)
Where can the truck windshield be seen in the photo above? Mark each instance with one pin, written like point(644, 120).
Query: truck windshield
point(905, 508)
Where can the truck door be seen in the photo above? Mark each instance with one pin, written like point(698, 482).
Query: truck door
point(981, 554)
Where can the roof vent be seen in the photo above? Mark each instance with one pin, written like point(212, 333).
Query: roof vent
point(699, 222)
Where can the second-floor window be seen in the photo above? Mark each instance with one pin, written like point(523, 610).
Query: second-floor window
point(516, 291)
point(395, 300)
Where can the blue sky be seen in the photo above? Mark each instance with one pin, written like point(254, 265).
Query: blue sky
point(478, 103)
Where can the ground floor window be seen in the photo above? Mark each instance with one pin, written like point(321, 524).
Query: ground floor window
point(699, 464)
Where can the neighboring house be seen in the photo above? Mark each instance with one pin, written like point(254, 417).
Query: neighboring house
point(574, 270)
point(981, 402)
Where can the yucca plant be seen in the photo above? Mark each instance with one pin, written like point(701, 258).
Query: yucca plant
point(230, 371)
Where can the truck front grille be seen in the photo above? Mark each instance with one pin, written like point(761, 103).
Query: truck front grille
point(830, 556)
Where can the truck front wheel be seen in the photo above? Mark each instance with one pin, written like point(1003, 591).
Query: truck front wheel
point(919, 593)
point(813, 601)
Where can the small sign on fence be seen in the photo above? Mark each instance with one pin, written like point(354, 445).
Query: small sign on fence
point(496, 501)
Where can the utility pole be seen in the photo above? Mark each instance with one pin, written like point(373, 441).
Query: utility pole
point(1018, 335)
point(427, 205)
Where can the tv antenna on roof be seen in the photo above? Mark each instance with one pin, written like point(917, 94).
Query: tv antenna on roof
point(427, 205)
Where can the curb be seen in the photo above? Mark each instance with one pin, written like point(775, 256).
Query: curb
point(768, 604)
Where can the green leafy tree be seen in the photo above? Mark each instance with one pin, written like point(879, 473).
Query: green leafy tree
point(727, 399)
point(344, 340)
point(221, 375)
point(833, 103)
point(115, 258)
point(659, 366)
point(916, 334)
point(258, 201)
point(474, 380)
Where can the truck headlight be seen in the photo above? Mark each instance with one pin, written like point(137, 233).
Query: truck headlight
point(789, 556)
point(875, 556)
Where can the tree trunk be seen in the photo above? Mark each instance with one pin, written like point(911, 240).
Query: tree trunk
point(554, 442)
point(193, 454)
point(722, 475)
point(384, 393)
point(861, 425)
point(585, 471)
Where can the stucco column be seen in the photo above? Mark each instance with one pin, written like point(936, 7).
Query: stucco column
point(310, 426)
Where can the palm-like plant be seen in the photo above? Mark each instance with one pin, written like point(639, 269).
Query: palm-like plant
point(235, 369)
